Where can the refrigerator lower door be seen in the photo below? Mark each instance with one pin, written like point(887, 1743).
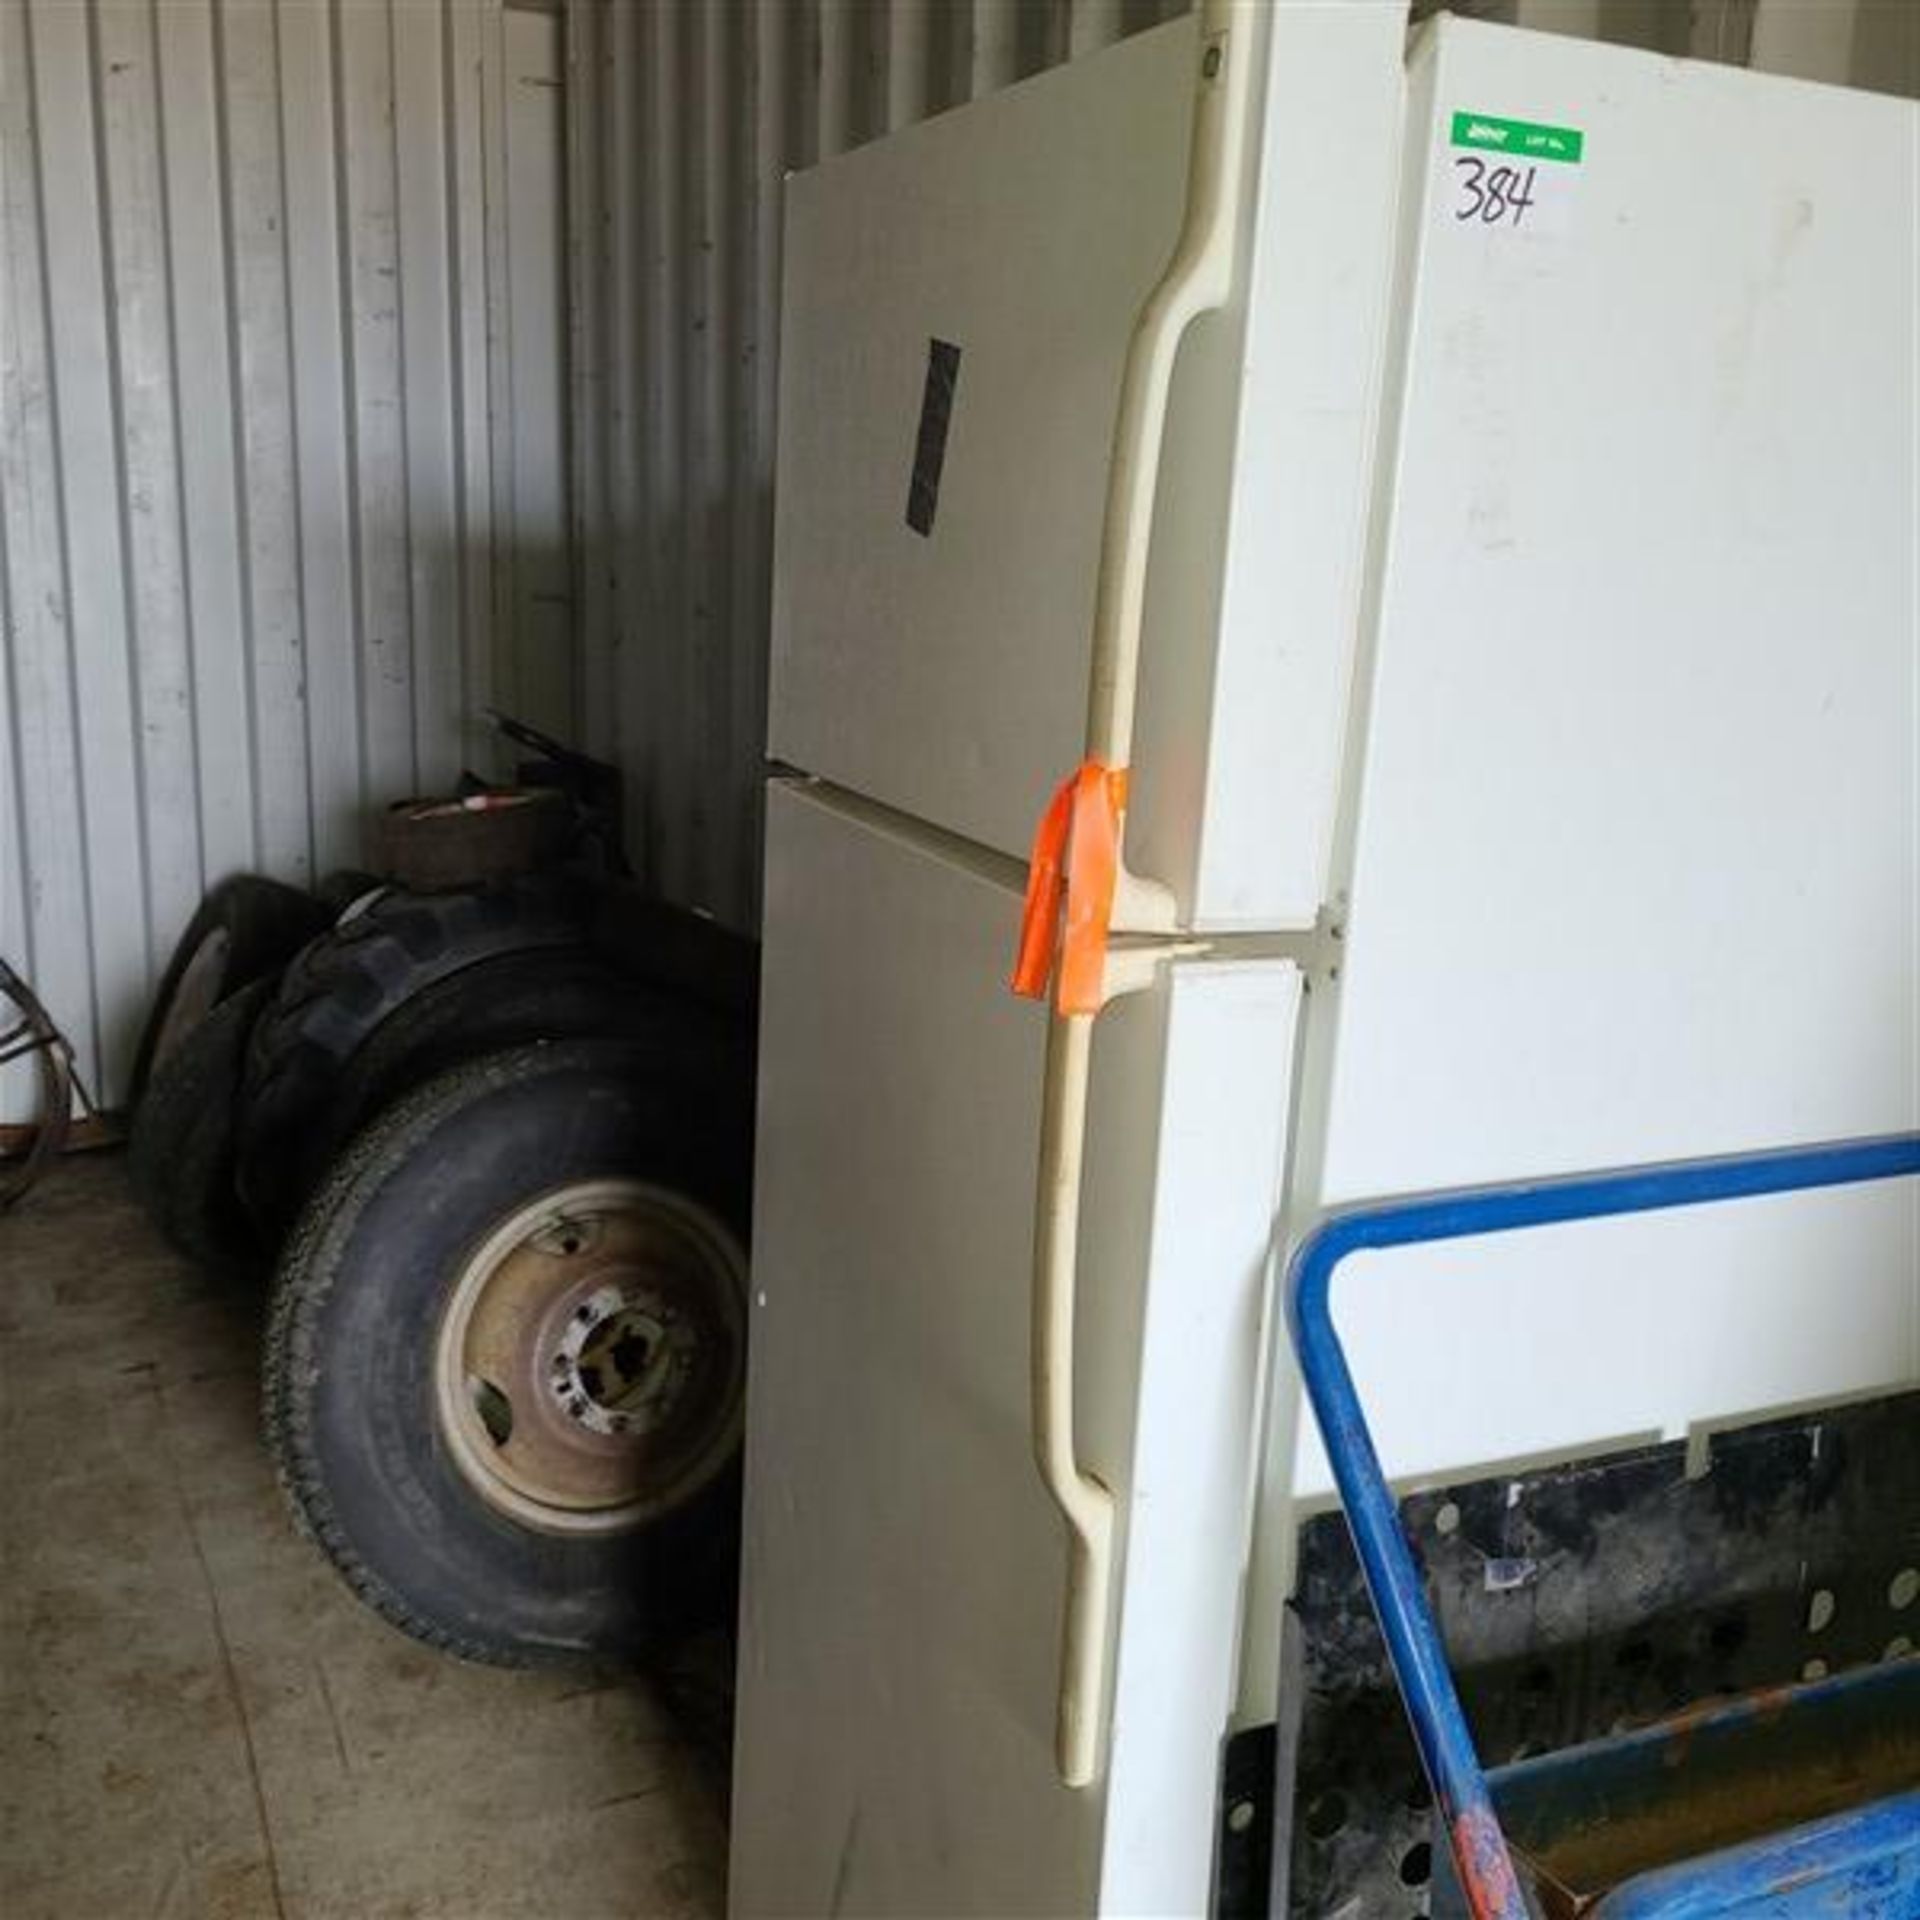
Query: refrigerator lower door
point(904, 1574)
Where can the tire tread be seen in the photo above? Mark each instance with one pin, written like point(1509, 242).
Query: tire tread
point(307, 1271)
point(180, 1155)
point(310, 1266)
point(341, 986)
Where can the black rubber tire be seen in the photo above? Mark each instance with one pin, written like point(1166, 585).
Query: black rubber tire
point(338, 890)
point(180, 1157)
point(338, 990)
point(508, 1001)
point(264, 925)
point(349, 1395)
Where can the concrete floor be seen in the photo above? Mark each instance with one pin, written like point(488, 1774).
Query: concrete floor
point(196, 1719)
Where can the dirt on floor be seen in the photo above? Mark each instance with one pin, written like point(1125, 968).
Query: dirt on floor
point(196, 1718)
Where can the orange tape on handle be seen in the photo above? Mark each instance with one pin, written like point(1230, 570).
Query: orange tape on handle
point(1039, 918)
point(1077, 844)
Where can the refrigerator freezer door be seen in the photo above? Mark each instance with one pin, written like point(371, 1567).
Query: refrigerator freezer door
point(942, 667)
point(1634, 868)
point(958, 304)
point(904, 1573)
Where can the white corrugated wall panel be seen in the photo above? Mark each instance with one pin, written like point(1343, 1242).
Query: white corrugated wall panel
point(684, 120)
point(535, 671)
point(252, 256)
point(1861, 43)
point(1850, 43)
point(685, 116)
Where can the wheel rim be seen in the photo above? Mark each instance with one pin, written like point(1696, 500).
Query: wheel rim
point(196, 993)
point(590, 1364)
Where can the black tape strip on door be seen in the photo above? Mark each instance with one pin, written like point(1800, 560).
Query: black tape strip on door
point(930, 450)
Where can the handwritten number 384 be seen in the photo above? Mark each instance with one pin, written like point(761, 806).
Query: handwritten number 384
point(1493, 194)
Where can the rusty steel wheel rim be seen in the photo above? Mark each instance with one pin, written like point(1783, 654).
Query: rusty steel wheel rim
point(591, 1360)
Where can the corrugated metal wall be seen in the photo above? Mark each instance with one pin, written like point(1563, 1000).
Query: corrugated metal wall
point(284, 488)
point(684, 116)
point(246, 475)
point(684, 119)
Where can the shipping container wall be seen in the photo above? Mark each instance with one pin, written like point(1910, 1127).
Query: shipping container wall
point(685, 117)
point(259, 287)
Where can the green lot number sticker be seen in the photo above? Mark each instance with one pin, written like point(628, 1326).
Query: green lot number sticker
point(1512, 176)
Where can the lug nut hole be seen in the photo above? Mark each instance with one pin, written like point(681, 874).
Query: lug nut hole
point(494, 1409)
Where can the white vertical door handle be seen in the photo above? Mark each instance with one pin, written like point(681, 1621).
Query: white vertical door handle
point(1085, 1505)
point(1197, 278)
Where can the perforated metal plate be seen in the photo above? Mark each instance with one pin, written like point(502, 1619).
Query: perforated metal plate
point(1578, 1601)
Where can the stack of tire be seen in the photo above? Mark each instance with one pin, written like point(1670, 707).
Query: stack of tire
point(494, 1145)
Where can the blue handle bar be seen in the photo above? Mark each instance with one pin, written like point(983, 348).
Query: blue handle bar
point(1412, 1635)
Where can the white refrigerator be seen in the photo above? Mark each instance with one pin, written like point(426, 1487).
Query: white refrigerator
point(1526, 742)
